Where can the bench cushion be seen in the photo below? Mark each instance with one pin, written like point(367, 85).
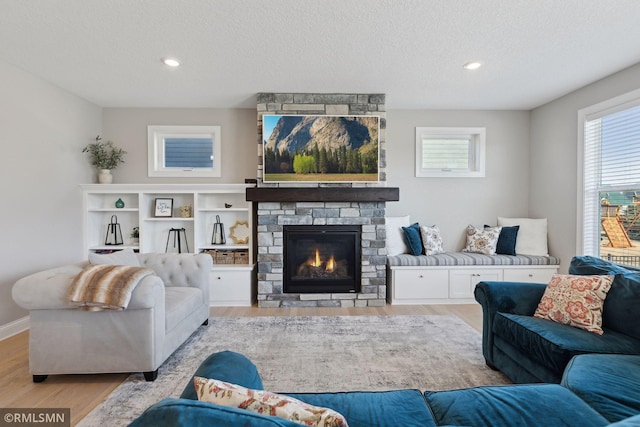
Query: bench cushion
point(466, 258)
point(552, 344)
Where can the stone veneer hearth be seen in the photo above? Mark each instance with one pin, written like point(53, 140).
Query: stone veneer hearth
point(324, 209)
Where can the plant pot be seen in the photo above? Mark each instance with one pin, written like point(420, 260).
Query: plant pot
point(105, 177)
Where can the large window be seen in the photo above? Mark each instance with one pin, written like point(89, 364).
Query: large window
point(609, 226)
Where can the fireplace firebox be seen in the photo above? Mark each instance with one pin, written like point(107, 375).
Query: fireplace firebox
point(321, 258)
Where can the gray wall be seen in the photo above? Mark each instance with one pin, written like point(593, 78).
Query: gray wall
point(531, 167)
point(454, 203)
point(127, 127)
point(43, 132)
point(553, 177)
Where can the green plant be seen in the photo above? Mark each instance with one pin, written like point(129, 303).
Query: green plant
point(104, 155)
point(135, 233)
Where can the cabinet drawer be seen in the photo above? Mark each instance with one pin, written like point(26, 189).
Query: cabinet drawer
point(536, 275)
point(417, 284)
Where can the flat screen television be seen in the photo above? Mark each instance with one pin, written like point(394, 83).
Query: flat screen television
point(320, 148)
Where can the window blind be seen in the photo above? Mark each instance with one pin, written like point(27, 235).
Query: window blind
point(445, 154)
point(188, 153)
point(611, 167)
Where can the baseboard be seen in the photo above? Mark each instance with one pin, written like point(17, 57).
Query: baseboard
point(12, 328)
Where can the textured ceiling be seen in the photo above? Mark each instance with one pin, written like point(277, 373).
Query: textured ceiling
point(108, 51)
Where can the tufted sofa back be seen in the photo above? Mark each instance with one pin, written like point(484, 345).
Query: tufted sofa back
point(179, 269)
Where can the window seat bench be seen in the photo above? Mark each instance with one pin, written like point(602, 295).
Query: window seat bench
point(450, 277)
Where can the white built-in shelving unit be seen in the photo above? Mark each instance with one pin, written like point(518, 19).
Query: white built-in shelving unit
point(231, 283)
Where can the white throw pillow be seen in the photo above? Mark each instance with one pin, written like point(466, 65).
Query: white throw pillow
point(123, 257)
point(532, 235)
point(395, 236)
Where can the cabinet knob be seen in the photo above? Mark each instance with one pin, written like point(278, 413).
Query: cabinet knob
point(530, 275)
point(218, 277)
point(421, 277)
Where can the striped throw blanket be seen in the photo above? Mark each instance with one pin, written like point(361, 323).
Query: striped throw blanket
point(105, 287)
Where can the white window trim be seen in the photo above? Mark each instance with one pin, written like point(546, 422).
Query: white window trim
point(477, 136)
point(155, 151)
point(603, 108)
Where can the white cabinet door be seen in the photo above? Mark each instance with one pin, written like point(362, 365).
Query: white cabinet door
point(420, 284)
point(462, 282)
point(232, 287)
point(536, 275)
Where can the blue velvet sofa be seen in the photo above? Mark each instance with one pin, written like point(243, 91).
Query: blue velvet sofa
point(528, 349)
point(588, 396)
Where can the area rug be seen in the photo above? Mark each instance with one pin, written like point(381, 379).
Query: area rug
point(315, 354)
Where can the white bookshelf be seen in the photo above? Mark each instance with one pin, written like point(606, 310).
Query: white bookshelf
point(208, 201)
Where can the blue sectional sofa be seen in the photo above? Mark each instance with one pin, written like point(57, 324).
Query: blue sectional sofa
point(528, 349)
point(588, 396)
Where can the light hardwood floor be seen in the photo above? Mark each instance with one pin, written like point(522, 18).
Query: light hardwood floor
point(81, 393)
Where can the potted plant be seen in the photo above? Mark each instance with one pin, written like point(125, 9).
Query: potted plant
point(105, 156)
point(135, 234)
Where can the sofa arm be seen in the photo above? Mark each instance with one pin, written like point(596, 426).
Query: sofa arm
point(49, 290)
point(227, 366)
point(505, 297)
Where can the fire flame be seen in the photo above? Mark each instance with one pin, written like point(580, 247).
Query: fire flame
point(317, 262)
point(331, 264)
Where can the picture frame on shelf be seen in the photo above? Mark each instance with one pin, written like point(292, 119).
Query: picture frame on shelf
point(163, 207)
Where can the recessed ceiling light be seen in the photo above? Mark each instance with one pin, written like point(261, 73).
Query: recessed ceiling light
point(171, 62)
point(473, 65)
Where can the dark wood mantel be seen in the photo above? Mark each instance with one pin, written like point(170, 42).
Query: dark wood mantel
point(323, 194)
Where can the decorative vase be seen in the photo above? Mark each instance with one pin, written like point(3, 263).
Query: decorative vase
point(119, 204)
point(105, 177)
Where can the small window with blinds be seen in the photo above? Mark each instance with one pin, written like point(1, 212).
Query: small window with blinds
point(184, 151)
point(611, 183)
point(450, 152)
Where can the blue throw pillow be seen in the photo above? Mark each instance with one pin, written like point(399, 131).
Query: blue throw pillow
point(507, 240)
point(413, 239)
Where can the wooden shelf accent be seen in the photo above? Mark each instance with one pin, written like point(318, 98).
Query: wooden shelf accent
point(323, 194)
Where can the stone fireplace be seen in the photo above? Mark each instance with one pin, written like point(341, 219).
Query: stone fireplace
point(302, 279)
point(360, 208)
point(322, 259)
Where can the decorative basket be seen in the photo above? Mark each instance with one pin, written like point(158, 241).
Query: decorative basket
point(241, 257)
point(221, 257)
point(224, 257)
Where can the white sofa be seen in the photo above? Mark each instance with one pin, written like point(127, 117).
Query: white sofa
point(164, 310)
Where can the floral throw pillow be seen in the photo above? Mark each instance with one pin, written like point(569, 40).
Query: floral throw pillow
point(575, 301)
point(431, 240)
point(482, 240)
point(266, 403)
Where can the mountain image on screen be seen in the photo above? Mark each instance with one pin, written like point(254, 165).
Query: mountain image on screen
point(321, 148)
